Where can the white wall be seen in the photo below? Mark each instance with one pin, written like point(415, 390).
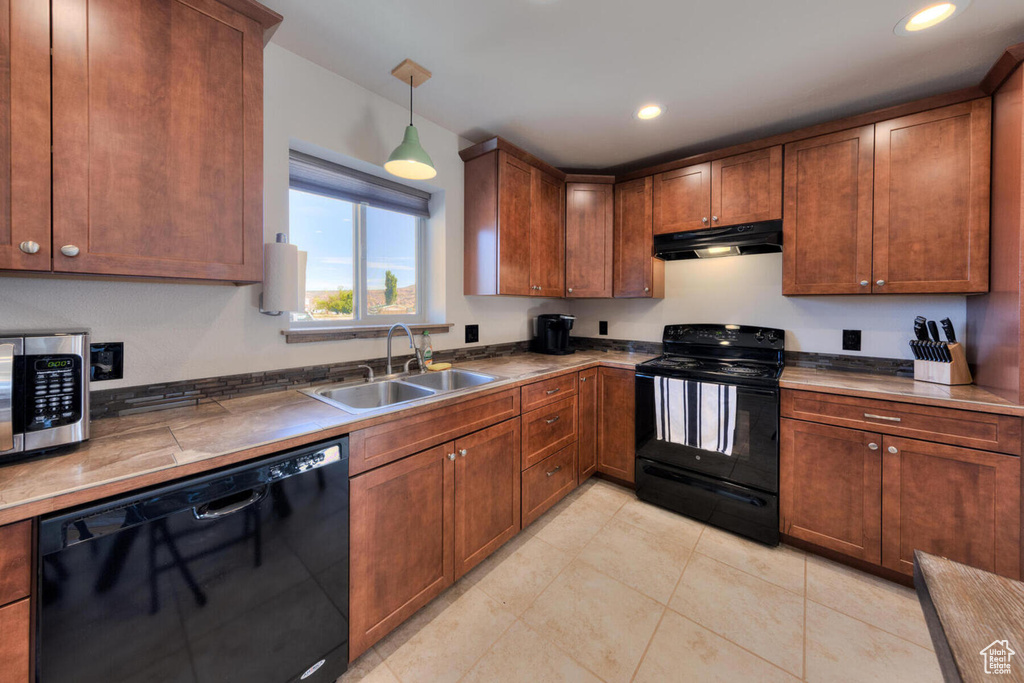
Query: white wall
point(747, 290)
point(185, 331)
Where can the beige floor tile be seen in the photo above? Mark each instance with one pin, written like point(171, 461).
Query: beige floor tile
point(781, 565)
point(682, 648)
point(516, 578)
point(523, 655)
point(840, 648)
point(596, 619)
point(879, 602)
point(369, 668)
point(414, 624)
point(760, 616)
point(446, 647)
point(573, 525)
point(662, 522)
point(648, 562)
point(604, 495)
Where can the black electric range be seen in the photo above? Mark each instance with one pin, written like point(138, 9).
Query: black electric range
point(707, 426)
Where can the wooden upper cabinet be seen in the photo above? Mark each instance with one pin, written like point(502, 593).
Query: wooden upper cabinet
point(157, 139)
point(950, 501)
point(589, 234)
point(547, 235)
point(636, 272)
point(682, 199)
point(827, 225)
point(24, 134)
point(931, 200)
point(616, 431)
point(831, 487)
point(747, 188)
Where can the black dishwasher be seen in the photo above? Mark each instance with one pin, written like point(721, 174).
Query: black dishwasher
point(239, 575)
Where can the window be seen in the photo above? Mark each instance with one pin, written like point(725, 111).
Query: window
point(364, 238)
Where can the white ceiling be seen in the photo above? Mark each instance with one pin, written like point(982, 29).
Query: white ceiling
point(561, 78)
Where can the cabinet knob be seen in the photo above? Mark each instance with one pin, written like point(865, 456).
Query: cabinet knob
point(29, 247)
point(69, 250)
point(879, 282)
point(714, 218)
point(863, 283)
point(583, 379)
point(451, 456)
point(704, 220)
point(463, 452)
point(647, 289)
point(873, 446)
point(570, 290)
point(893, 450)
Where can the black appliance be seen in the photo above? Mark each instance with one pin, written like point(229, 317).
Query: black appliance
point(239, 575)
point(736, 240)
point(707, 427)
point(553, 334)
point(44, 391)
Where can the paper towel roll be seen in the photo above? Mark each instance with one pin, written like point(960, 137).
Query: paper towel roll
point(281, 277)
point(302, 280)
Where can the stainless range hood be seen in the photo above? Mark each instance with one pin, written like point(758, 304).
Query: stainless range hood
point(737, 240)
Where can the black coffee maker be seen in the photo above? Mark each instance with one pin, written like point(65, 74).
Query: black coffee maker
point(553, 334)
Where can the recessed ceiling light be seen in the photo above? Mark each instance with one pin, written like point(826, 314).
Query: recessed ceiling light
point(649, 111)
point(929, 16)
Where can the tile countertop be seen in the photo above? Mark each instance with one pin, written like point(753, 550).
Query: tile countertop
point(137, 451)
point(903, 389)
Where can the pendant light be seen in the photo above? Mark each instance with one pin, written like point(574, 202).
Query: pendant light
point(410, 160)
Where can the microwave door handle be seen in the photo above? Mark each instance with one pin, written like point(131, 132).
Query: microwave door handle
point(6, 397)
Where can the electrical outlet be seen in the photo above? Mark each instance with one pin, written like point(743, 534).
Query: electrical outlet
point(472, 334)
point(602, 327)
point(106, 361)
point(851, 340)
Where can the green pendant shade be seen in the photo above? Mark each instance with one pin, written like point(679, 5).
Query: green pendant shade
point(410, 160)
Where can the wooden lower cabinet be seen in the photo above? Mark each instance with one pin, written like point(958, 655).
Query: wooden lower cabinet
point(954, 502)
point(548, 430)
point(616, 437)
point(548, 482)
point(831, 491)
point(15, 636)
point(586, 425)
point(486, 493)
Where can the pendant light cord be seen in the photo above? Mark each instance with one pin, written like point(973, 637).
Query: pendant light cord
point(410, 100)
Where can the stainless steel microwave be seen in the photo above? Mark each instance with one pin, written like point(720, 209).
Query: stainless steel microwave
point(44, 391)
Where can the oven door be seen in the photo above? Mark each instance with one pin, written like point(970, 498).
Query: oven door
point(754, 460)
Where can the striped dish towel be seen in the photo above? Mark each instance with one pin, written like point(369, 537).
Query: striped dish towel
point(696, 414)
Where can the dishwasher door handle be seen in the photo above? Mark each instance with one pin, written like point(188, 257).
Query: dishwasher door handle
point(204, 513)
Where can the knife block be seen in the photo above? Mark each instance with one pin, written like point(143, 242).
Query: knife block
point(936, 372)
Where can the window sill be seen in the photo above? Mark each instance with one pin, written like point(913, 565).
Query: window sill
point(303, 336)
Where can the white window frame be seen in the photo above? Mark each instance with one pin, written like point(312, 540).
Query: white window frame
point(360, 303)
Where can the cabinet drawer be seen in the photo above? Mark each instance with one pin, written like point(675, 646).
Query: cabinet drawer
point(547, 430)
point(15, 636)
point(1000, 433)
point(387, 442)
point(548, 482)
point(548, 391)
point(15, 561)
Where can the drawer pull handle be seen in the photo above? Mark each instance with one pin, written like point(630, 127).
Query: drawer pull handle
point(553, 420)
point(553, 391)
point(872, 416)
point(554, 470)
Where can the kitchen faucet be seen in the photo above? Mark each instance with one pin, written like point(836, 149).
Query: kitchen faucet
point(411, 344)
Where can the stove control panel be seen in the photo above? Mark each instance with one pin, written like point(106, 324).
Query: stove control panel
point(742, 336)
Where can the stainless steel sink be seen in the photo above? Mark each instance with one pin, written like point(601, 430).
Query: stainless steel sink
point(450, 380)
point(361, 398)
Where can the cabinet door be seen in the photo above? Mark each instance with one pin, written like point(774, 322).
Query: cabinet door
point(636, 273)
point(515, 187)
point(547, 236)
point(747, 187)
point(616, 431)
point(402, 530)
point(158, 139)
point(831, 488)
point(486, 493)
point(950, 501)
point(589, 217)
point(827, 228)
point(682, 199)
point(15, 636)
point(932, 200)
point(24, 134)
point(586, 402)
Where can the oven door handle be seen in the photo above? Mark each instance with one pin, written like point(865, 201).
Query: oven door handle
point(6, 397)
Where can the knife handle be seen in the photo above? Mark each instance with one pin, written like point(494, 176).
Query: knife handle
point(933, 330)
point(947, 329)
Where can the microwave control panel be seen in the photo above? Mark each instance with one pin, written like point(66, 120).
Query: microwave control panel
point(54, 386)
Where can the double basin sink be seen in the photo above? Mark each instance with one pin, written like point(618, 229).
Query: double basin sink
point(383, 393)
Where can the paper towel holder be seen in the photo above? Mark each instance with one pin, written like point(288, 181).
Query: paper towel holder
point(281, 238)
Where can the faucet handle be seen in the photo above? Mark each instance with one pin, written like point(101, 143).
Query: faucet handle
point(369, 372)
